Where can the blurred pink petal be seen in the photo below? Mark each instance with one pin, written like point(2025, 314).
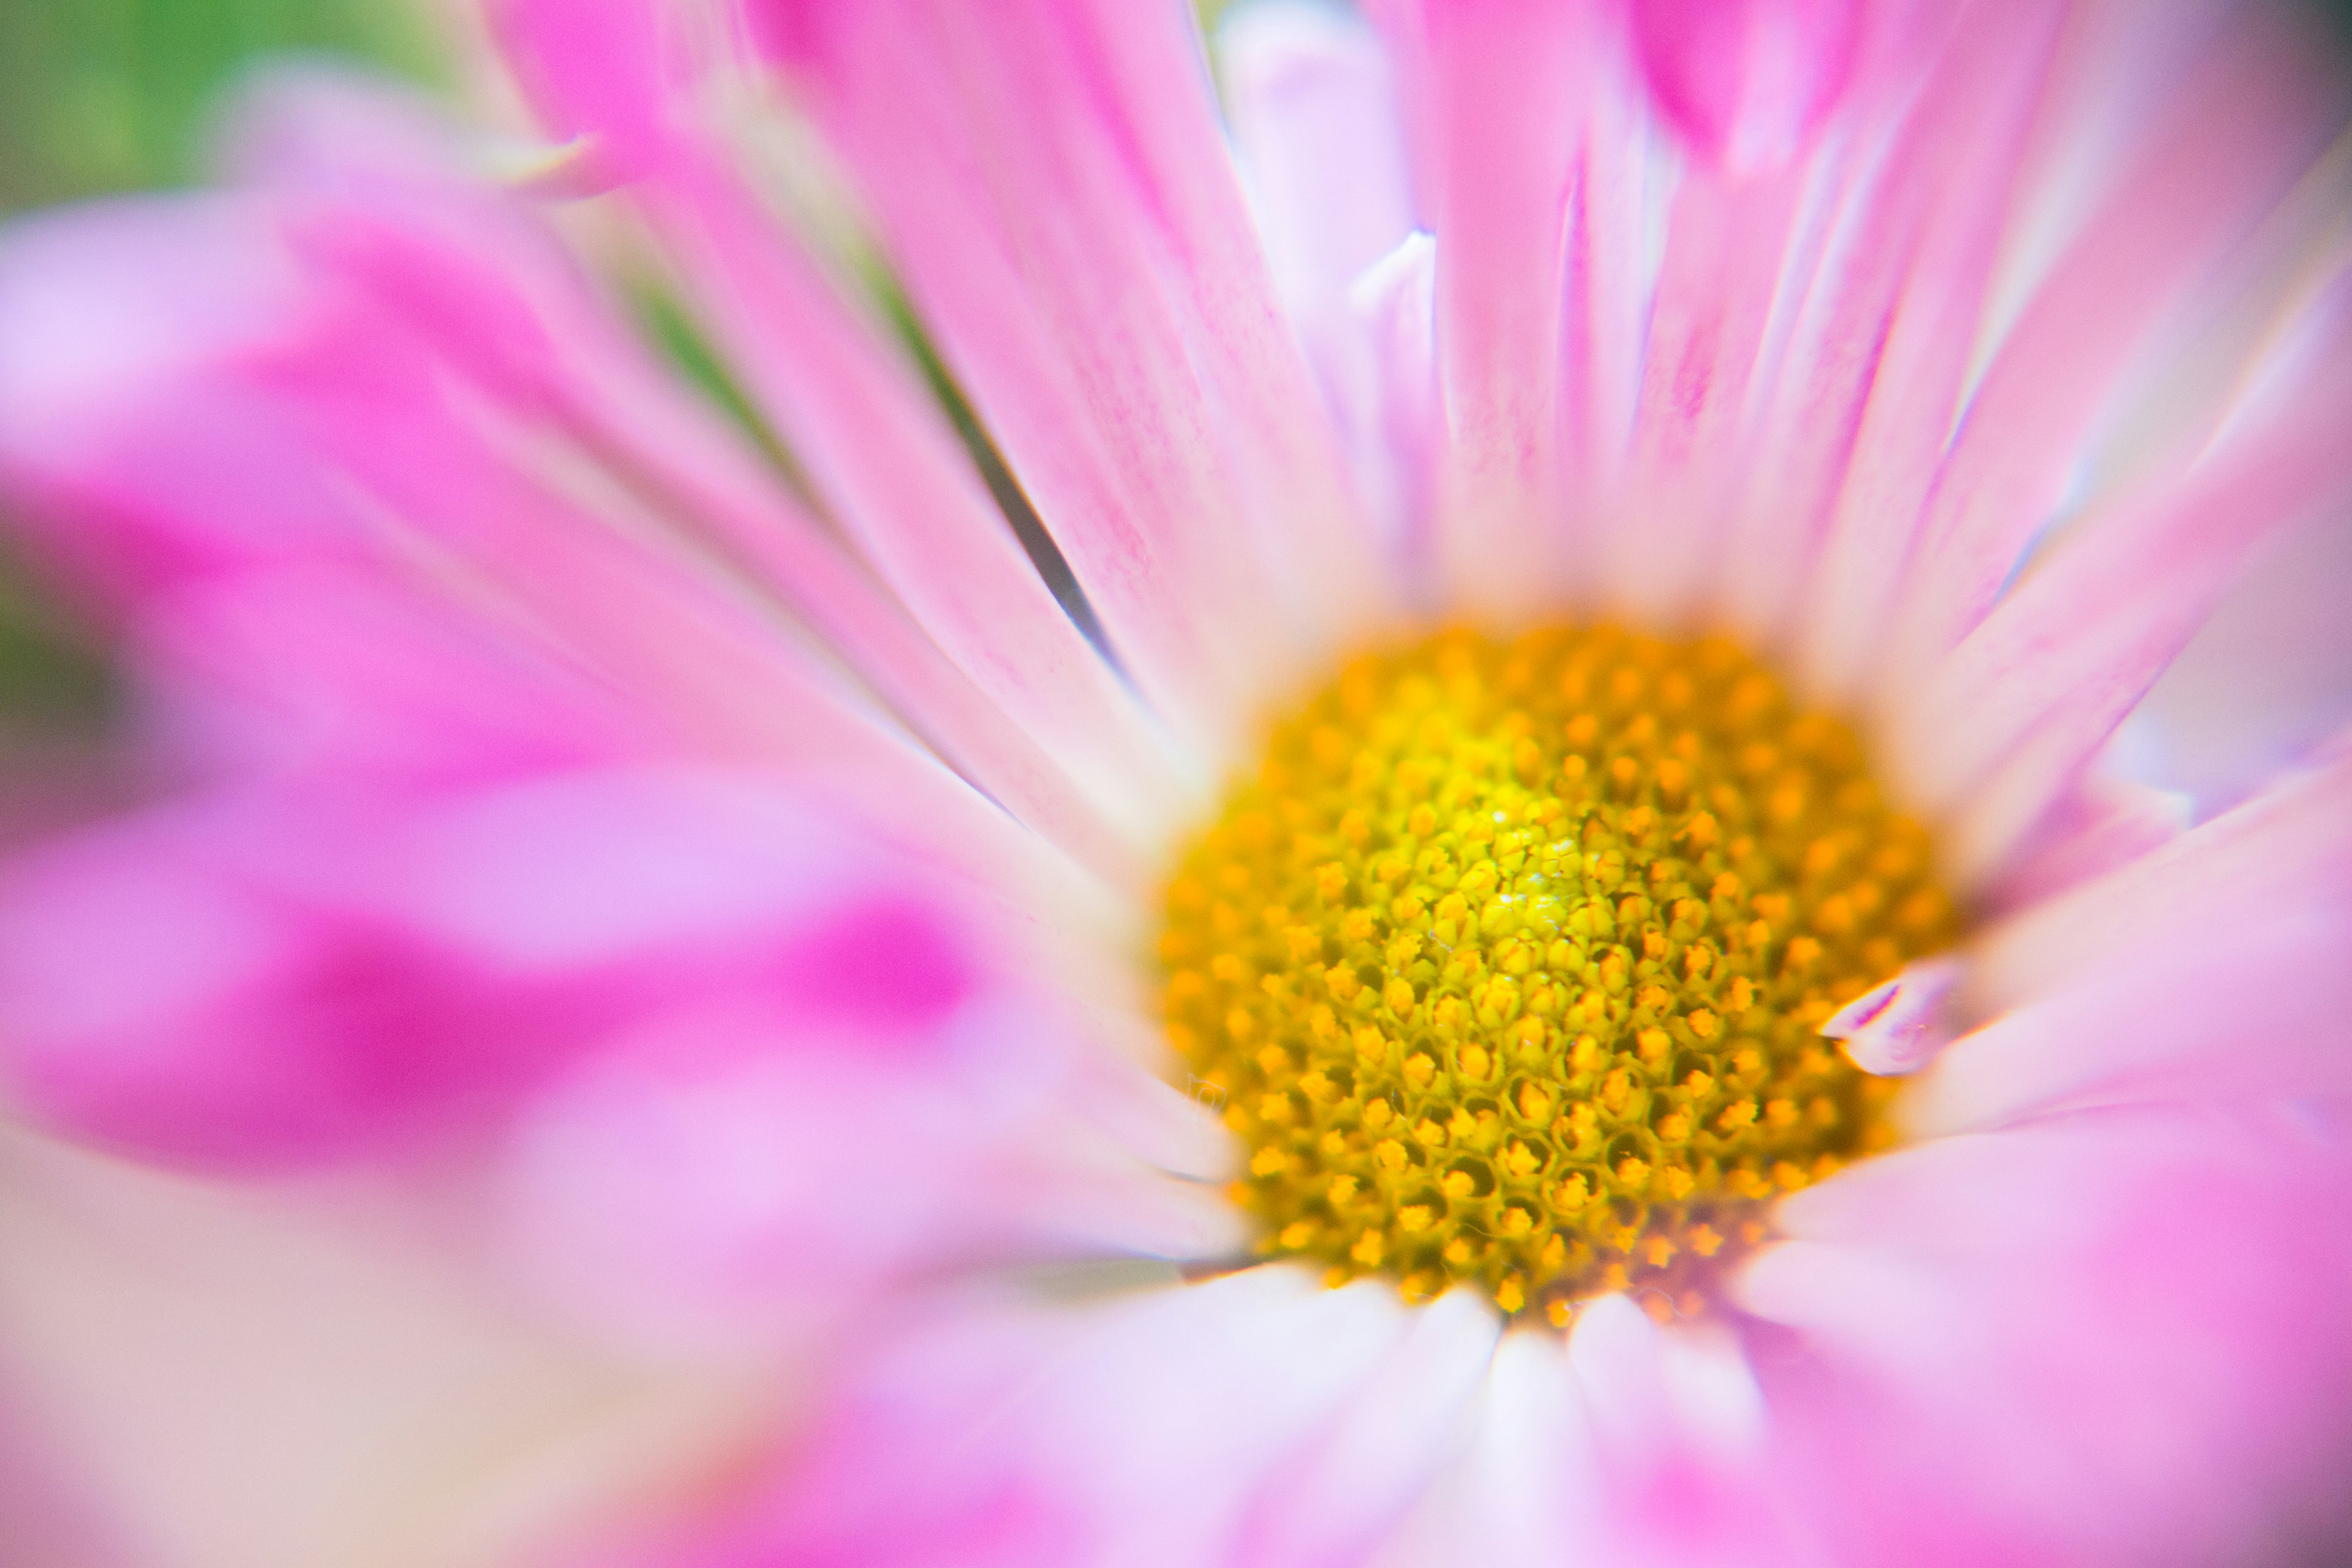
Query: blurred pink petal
point(1747, 83)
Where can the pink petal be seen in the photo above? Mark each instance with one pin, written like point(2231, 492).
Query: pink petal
point(1845, 459)
point(1051, 184)
point(1527, 1482)
point(2103, 824)
point(273, 979)
point(1313, 106)
point(736, 1170)
point(1499, 91)
point(1386, 1446)
point(1315, 130)
point(484, 291)
point(1394, 308)
point(2260, 687)
point(2027, 700)
point(2245, 1009)
point(310, 669)
point(2091, 1310)
point(1727, 253)
point(1009, 1435)
point(2277, 850)
point(137, 467)
point(1898, 1026)
point(1747, 84)
point(2239, 130)
point(867, 435)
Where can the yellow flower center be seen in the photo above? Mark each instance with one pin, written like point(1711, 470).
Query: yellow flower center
point(1508, 963)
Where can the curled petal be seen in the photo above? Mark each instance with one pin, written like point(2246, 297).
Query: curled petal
point(1898, 1026)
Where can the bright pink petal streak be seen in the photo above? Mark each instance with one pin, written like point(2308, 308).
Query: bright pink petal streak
point(1749, 82)
point(1051, 181)
point(2231, 142)
point(1502, 87)
point(293, 976)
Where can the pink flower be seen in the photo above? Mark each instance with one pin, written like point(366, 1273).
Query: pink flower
point(722, 845)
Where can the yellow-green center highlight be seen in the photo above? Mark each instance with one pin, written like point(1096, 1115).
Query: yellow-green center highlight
point(1507, 964)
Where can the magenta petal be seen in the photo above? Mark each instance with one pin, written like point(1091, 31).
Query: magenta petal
point(301, 976)
point(158, 1002)
point(1747, 83)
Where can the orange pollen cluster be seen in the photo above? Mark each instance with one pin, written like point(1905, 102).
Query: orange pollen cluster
point(1508, 963)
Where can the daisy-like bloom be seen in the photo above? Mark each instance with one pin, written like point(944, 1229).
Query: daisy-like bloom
point(1398, 829)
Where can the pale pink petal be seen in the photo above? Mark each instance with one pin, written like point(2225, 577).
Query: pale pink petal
point(1528, 1481)
point(2232, 140)
point(1313, 107)
point(1317, 134)
point(1728, 252)
point(1005, 1434)
point(1336, 1502)
point(1673, 1430)
point(1899, 1025)
point(2022, 1342)
point(2263, 683)
point(1842, 465)
point(2246, 1005)
point(1393, 306)
point(247, 1378)
point(2015, 712)
point(1050, 180)
point(740, 1170)
point(2102, 824)
point(2277, 848)
point(320, 668)
point(1497, 94)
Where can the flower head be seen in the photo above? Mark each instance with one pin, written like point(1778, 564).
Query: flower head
point(1540, 738)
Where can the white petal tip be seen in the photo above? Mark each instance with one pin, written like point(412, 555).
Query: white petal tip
point(1899, 1027)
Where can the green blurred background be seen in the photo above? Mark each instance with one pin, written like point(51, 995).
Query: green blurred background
point(104, 95)
point(111, 95)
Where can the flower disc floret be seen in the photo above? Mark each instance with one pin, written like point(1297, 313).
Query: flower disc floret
point(1509, 964)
